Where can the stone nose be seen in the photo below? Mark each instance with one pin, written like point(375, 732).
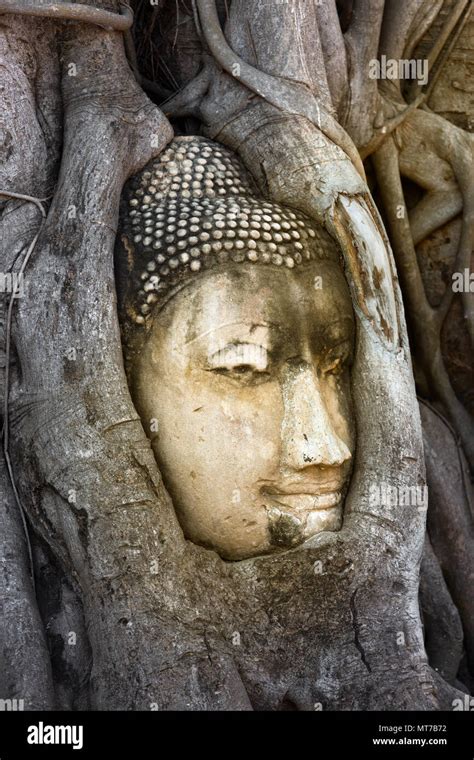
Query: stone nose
point(308, 434)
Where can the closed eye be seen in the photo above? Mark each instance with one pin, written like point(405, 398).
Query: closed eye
point(240, 358)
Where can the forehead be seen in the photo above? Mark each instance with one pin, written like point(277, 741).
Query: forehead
point(257, 289)
point(313, 294)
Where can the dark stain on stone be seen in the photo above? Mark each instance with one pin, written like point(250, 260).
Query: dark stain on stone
point(284, 529)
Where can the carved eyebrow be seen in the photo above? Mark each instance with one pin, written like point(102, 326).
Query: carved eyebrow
point(251, 325)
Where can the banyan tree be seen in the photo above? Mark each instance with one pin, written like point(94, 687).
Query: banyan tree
point(237, 320)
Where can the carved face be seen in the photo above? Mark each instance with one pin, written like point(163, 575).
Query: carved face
point(244, 388)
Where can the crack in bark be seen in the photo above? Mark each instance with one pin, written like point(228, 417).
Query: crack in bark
point(355, 626)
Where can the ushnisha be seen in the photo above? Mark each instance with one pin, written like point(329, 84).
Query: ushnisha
point(193, 208)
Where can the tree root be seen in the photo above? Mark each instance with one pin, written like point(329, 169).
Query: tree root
point(104, 108)
point(428, 139)
point(285, 95)
point(425, 321)
point(442, 624)
point(6, 411)
point(84, 14)
point(450, 517)
point(25, 670)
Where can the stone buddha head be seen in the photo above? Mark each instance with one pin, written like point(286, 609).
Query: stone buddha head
point(238, 334)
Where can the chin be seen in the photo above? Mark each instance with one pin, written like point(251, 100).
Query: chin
point(285, 530)
point(288, 528)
